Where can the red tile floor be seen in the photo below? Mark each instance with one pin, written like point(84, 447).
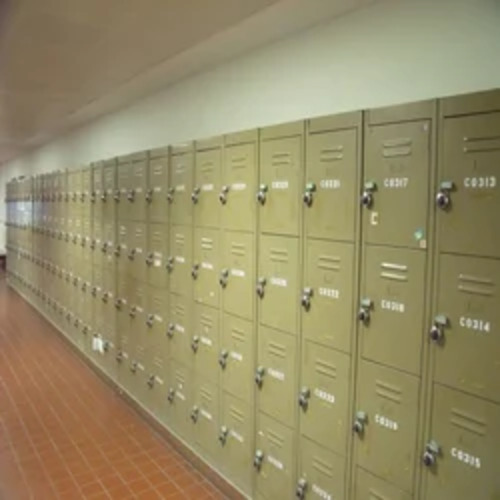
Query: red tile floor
point(65, 434)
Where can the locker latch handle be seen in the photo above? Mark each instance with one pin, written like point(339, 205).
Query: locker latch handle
point(170, 194)
point(195, 194)
point(85, 329)
point(105, 297)
point(300, 490)
point(119, 357)
point(149, 195)
point(104, 246)
point(194, 414)
point(432, 450)
point(436, 332)
point(133, 311)
point(104, 196)
point(170, 264)
point(195, 343)
point(259, 376)
point(76, 323)
point(223, 358)
point(223, 194)
point(133, 366)
point(131, 195)
point(151, 381)
point(194, 271)
point(92, 244)
point(304, 395)
point(261, 194)
point(116, 195)
point(105, 346)
point(305, 300)
point(443, 198)
point(223, 433)
point(224, 274)
point(119, 303)
point(131, 253)
point(150, 321)
point(118, 250)
point(82, 197)
point(171, 395)
point(308, 193)
point(364, 310)
point(258, 459)
point(94, 291)
point(360, 420)
point(367, 194)
point(170, 330)
point(261, 283)
point(150, 259)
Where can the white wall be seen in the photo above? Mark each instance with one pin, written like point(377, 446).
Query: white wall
point(394, 51)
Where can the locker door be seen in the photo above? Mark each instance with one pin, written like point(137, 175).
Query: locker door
point(181, 186)
point(158, 186)
point(157, 253)
point(205, 342)
point(137, 242)
point(205, 270)
point(468, 300)
point(123, 185)
point(278, 281)
point(156, 316)
point(179, 261)
point(370, 487)
point(396, 174)
point(239, 184)
point(179, 400)
point(468, 199)
point(386, 423)
point(136, 195)
point(275, 375)
point(205, 418)
point(392, 307)
point(281, 165)
point(179, 329)
point(324, 396)
point(465, 430)
point(330, 203)
point(237, 274)
point(206, 188)
point(327, 304)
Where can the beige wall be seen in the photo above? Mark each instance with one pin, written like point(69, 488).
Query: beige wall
point(393, 51)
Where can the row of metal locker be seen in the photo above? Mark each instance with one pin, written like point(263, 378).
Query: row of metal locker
point(311, 307)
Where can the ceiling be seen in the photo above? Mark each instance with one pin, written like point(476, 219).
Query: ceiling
point(65, 62)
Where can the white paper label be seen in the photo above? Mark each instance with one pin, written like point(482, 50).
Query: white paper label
point(207, 187)
point(206, 341)
point(282, 282)
point(180, 259)
point(238, 186)
point(206, 415)
point(276, 374)
point(236, 356)
point(239, 273)
point(275, 462)
point(236, 436)
point(207, 265)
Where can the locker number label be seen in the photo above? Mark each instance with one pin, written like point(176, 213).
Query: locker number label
point(466, 458)
point(396, 182)
point(488, 182)
point(321, 492)
point(477, 325)
point(279, 282)
point(331, 293)
point(276, 374)
point(325, 396)
point(329, 184)
point(391, 305)
point(386, 422)
point(279, 185)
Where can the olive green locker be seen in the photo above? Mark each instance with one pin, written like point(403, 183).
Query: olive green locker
point(321, 473)
point(205, 342)
point(278, 281)
point(97, 190)
point(237, 274)
point(157, 367)
point(86, 194)
point(324, 397)
point(206, 266)
point(274, 459)
point(207, 182)
point(156, 255)
point(465, 321)
point(386, 422)
point(121, 305)
point(391, 310)
point(236, 435)
point(275, 375)
point(205, 418)
point(135, 376)
point(280, 173)
point(121, 250)
point(137, 193)
point(369, 486)
point(398, 156)
point(124, 186)
point(328, 293)
point(179, 400)
point(135, 332)
point(237, 357)
point(239, 181)
point(179, 329)
point(96, 242)
point(331, 176)
point(179, 262)
point(136, 252)
point(156, 316)
point(461, 454)
point(181, 184)
point(157, 193)
point(468, 196)
point(109, 208)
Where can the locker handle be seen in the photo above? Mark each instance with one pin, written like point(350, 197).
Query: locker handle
point(131, 195)
point(261, 194)
point(149, 195)
point(194, 414)
point(194, 271)
point(259, 376)
point(195, 194)
point(170, 330)
point(82, 197)
point(223, 358)
point(150, 259)
point(94, 291)
point(436, 332)
point(308, 193)
point(104, 197)
point(223, 194)
point(170, 264)
point(133, 311)
point(224, 274)
point(195, 343)
point(151, 381)
point(131, 253)
point(364, 311)
point(258, 459)
point(261, 283)
point(119, 303)
point(432, 450)
point(224, 431)
point(360, 421)
point(301, 489)
point(367, 195)
point(307, 293)
point(443, 197)
point(170, 194)
point(104, 247)
point(119, 357)
point(150, 321)
point(304, 395)
point(105, 346)
point(105, 297)
point(171, 395)
point(133, 366)
point(116, 195)
point(76, 323)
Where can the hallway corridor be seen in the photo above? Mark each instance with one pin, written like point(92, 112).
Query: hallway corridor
point(65, 434)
